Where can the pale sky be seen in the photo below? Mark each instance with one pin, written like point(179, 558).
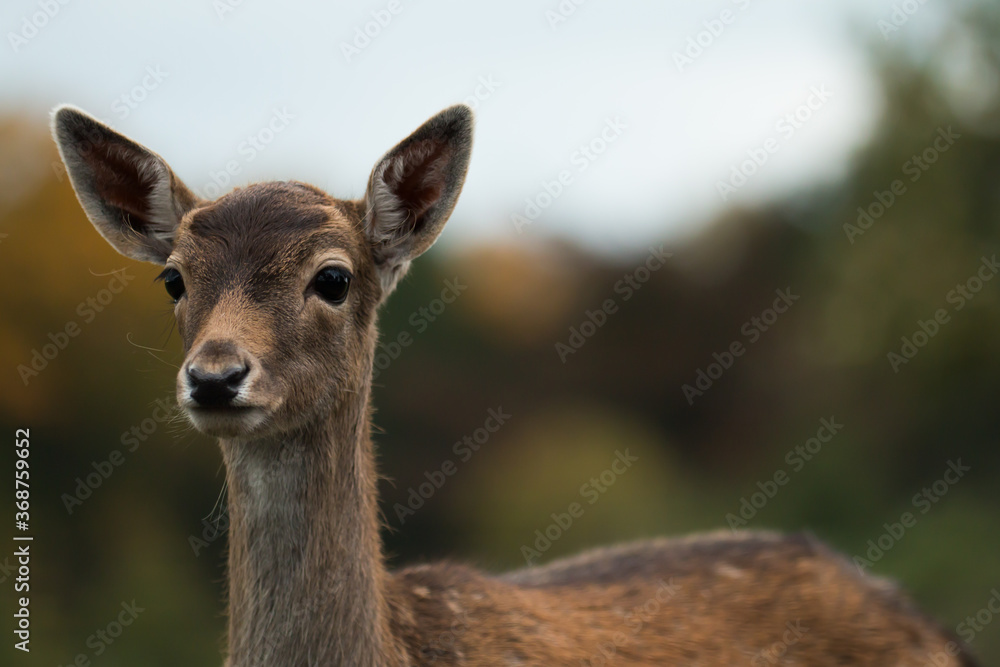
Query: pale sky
point(228, 70)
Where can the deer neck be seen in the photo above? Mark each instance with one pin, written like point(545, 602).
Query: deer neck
point(307, 582)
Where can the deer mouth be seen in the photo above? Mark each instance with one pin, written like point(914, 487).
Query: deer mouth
point(227, 420)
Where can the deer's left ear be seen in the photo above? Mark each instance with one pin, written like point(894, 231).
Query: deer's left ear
point(413, 189)
point(129, 193)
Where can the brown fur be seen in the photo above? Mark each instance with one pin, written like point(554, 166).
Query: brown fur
point(716, 599)
point(307, 580)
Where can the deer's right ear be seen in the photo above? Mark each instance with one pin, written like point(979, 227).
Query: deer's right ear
point(128, 192)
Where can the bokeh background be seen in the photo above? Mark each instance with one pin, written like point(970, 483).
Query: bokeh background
point(196, 81)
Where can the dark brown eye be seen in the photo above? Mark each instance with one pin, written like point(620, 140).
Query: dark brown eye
point(332, 283)
point(174, 283)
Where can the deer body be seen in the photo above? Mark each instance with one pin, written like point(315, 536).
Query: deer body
point(276, 288)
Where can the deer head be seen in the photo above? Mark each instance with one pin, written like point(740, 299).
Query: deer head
point(275, 285)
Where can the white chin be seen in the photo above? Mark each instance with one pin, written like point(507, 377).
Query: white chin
point(227, 422)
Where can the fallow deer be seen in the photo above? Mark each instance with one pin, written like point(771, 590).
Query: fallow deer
point(276, 287)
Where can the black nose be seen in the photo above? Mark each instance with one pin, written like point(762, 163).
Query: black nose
point(215, 390)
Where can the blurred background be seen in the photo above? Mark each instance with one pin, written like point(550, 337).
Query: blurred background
point(840, 157)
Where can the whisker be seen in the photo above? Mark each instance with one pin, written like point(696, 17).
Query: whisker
point(220, 503)
point(150, 350)
point(128, 337)
point(105, 275)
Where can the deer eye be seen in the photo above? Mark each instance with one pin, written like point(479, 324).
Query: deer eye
point(173, 282)
point(332, 284)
